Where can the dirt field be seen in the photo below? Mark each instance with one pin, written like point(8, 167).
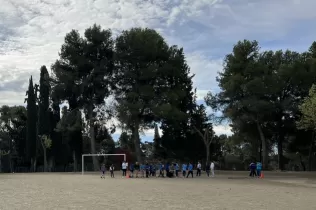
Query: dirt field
point(232, 191)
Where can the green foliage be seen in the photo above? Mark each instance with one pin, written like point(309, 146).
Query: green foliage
point(126, 142)
point(149, 77)
point(83, 71)
point(308, 110)
point(46, 141)
point(13, 129)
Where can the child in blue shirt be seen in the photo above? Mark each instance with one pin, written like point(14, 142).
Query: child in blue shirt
point(161, 172)
point(142, 170)
point(259, 168)
point(147, 168)
point(190, 170)
point(176, 168)
point(131, 168)
point(153, 170)
point(184, 169)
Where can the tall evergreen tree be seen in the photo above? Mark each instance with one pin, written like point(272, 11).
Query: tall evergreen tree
point(148, 74)
point(31, 130)
point(83, 73)
point(43, 103)
point(43, 125)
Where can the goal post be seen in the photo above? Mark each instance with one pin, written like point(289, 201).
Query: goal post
point(97, 155)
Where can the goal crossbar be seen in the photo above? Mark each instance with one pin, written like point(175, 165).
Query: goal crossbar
point(98, 155)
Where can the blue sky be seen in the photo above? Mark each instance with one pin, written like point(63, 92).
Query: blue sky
point(31, 33)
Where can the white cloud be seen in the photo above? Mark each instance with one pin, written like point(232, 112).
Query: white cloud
point(31, 32)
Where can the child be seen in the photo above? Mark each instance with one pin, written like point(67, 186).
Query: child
point(102, 169)
point(112, 171)
point(198, 169)
point(136, 168)
point(207, 169)
point(184, 169)
point(212, 168)
point(124, 167)
point(167, 168)
point(259, 168)
point(190, 170)
point(131, 168)
point(252, 167)
point(176, 168)
point(147, 168)
point(142, 169)
point(162, 168)
point(157, 170)
point(153, 169)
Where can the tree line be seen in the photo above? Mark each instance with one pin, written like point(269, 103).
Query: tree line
point(148, 82)
point(266, 97)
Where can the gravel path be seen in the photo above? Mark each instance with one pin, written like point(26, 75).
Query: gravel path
point(59, 191)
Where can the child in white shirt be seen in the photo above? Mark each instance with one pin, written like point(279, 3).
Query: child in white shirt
point(212, 168)
point(112, 171)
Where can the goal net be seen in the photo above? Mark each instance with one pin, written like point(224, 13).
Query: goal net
point(107, 159)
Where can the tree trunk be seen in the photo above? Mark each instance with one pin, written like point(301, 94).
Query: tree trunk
point(135, 132)
point(264, 147)
point(51, 164)
point(92, 137)
point(207, 154)
point(10, 162)
point(280, 151)
point(0, 161)
point(33, 164)
point(310, 153)
point(302, 163)
point(45, 159)
point(75, 161)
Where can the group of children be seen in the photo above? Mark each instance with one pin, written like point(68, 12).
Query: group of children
point(103, 169)
point(155, 169)
point(255, 169)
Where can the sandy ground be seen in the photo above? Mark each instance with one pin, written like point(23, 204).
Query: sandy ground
point(233, 191)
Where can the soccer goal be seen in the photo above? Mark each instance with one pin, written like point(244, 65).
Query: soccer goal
point(98, 155)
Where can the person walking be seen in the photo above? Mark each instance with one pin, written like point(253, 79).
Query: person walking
point(102, 169)
point(190, 169)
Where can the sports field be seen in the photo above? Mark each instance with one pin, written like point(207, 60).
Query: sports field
point(235, 191)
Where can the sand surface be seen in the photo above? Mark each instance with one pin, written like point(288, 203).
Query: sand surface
point(232, 191)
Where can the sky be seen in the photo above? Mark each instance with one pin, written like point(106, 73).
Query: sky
point(32, 32)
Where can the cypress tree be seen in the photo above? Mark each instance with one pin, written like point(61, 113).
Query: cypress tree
point(43, 112)
point(31, 132)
